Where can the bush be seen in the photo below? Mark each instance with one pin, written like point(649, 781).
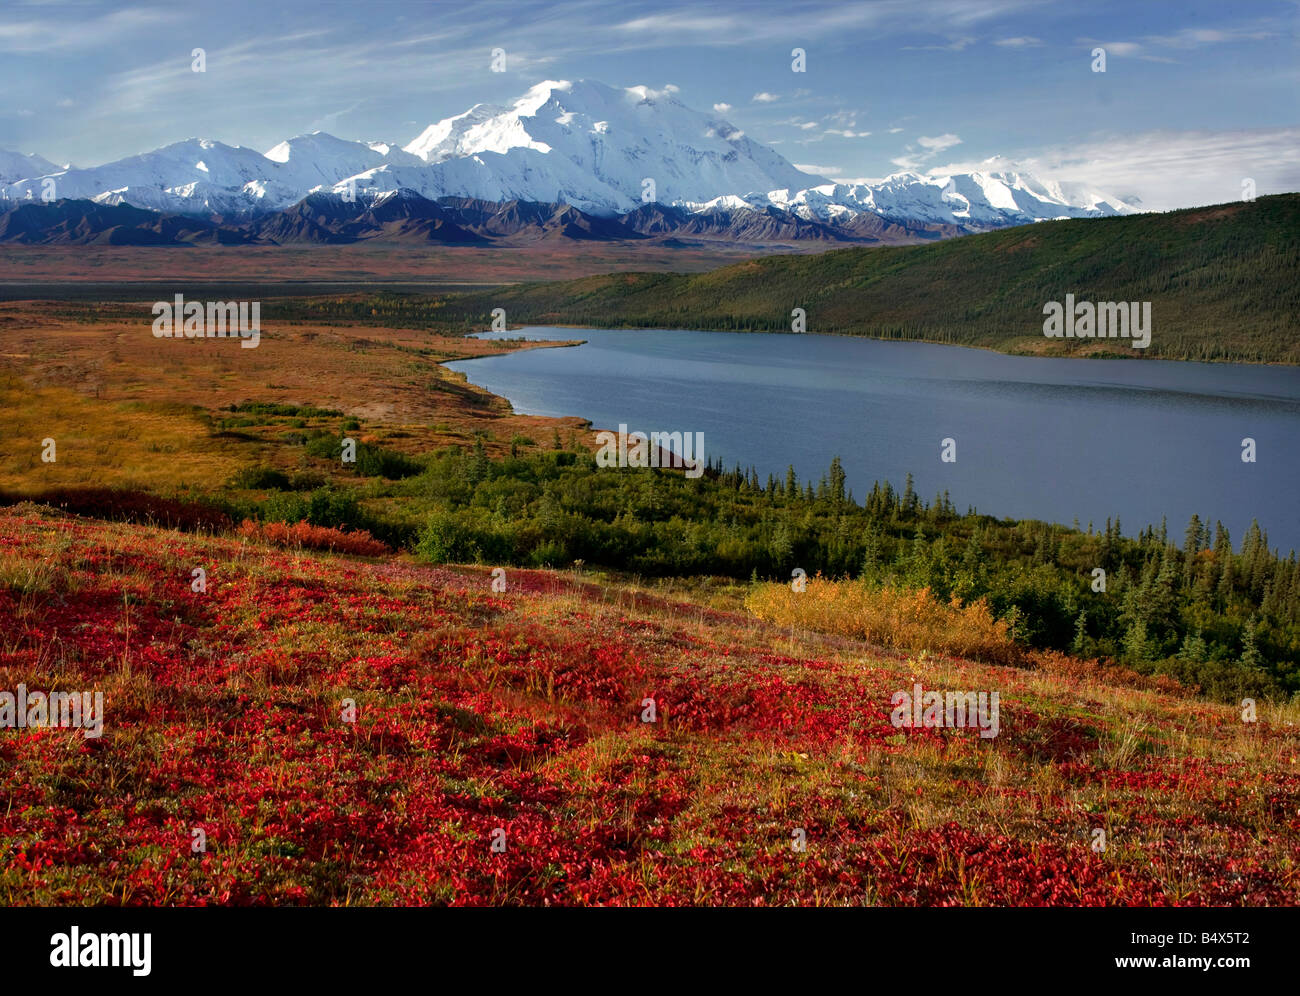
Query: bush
point(307, 481)
point(375, 462)
point(899, 618)
point(260, 479)
point(128, 506)
point(549, 555)
point(282, 507)
point(446, 540)
point(303, 534)
point(284, 411)
point(372, 461)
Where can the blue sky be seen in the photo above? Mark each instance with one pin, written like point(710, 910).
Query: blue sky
point(1195, 97)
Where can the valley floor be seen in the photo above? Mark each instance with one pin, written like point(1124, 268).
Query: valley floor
point(381, 263)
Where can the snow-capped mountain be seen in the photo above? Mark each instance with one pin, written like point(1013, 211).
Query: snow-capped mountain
point(620, 138)
point(602, 149)
point(16, 166)
point(973, 200)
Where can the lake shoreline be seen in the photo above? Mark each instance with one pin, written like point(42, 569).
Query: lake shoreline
point(1049, 442)
point(1103, 355)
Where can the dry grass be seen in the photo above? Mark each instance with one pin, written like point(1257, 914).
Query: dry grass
point(99, 443)
point(121, 403)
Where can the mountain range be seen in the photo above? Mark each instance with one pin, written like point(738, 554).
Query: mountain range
point(404, 216)
point(636, 158)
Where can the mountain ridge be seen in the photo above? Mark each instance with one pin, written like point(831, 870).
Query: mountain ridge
point(405, 216)
point(604, 150)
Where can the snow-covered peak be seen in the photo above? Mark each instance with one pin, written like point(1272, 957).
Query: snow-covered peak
point(974, 199)
point(603, 149)
point(20, 166)
point(622, 137)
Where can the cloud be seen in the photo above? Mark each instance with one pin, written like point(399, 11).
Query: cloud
point(931, 146)
point(765, 97)
point(1116, 47)
point(1196, 37)
point(829, 171)
point(1024, 41)
point(894, 131)
point(1187, 38)
point(953, 45)
point(938, 143)
point(722, 108)
point(713, 27)
point(69, 34)
point(727, 136)
point(846, 133)
point(1165, 170)
point(650, 93)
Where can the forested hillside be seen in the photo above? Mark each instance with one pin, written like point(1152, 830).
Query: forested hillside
point(1223, 283)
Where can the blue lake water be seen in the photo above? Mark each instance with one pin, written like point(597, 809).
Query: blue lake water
point(1041, 438)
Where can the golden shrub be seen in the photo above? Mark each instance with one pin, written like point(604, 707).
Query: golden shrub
point(899, 618)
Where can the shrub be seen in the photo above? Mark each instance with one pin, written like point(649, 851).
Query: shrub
point(309, 537)
point(891, 617)
point(307, 481)
point(446, 540)
point(372, 461)
point(375, 462)
point(283, 507)
point(1056, 663)
point(549, 555)
point(260, 479)
point(128, 506)
point(283, 411)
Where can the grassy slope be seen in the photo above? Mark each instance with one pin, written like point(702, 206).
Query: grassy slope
point(520, 710)
point(128, 410)
point(1222, 282)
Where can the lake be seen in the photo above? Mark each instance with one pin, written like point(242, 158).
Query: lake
point(1041, 438)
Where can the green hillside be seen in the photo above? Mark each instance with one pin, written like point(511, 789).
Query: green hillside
point(1223, 282)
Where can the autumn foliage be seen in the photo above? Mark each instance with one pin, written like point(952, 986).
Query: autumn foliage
point(126, 505)
point(889, 617)
point(305, 536)
point(359, 732)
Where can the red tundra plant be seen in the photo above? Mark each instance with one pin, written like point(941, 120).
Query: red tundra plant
point(305, 536)
point(318, 730)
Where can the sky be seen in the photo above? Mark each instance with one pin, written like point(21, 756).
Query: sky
point(1196, 97)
